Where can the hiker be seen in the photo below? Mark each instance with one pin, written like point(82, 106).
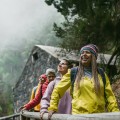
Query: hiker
point(88, 90)
point(64, 106)
point(35, 89)
point(50, 76)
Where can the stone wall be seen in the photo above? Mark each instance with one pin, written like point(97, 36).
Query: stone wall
point(36, 65)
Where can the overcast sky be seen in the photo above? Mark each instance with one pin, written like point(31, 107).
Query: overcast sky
point(19, 19)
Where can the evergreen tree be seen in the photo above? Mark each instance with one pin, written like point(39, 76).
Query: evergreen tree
point(89, 21)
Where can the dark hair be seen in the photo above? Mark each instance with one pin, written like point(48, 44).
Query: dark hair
point(69, 64)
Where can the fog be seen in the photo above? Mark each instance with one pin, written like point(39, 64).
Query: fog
point(24, 19)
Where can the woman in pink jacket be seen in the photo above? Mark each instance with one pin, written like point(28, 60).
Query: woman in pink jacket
point(65, 102)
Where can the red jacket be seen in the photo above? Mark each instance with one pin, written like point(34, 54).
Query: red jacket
point(37, 99)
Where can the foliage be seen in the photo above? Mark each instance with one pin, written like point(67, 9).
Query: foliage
point(116, 90)
point(86, 21)
point(89, 21)
point(12, 62)
point(6, 101)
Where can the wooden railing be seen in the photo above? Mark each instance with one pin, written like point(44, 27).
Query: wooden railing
point(101, 116)
point(11, 117)
point(36, 116)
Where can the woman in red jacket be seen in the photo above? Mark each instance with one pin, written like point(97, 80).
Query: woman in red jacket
point(48, 77)
point(41, 80)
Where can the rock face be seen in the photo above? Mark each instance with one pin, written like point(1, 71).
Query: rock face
point(39, 60)
point(116, 90)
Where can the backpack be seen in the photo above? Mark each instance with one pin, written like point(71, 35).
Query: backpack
point(74, 71)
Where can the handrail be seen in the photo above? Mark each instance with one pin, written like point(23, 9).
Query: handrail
point(11, 117)
point(36, 115)
point(99, 116)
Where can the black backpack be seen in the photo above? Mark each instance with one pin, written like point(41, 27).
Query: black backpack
point(74, 71)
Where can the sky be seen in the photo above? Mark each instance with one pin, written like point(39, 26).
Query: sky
point(24, 19)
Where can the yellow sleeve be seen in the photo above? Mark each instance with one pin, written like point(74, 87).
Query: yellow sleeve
point(111, 100)
point(32, 95)
point(37, 88)
point(59, 91)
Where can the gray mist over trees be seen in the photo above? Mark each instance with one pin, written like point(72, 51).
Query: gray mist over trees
point(23, 24)
point(25, 20)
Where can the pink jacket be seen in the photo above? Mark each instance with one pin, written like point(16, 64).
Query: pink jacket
point(65, 105)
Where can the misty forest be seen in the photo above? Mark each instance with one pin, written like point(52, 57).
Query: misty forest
point(68, 24)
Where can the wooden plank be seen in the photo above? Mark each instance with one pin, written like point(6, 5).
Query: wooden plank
point(99, 116)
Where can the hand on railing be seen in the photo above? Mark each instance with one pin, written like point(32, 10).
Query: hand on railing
point(41, 114)
point(22, 108)
point(50, 113)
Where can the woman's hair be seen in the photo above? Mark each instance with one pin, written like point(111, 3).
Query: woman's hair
point(80, 74)
point(69, 64)
point(95, 75)
point(50, 70)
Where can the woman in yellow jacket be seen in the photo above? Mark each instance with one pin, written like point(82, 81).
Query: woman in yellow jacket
point(33, 94)
point(88, 91)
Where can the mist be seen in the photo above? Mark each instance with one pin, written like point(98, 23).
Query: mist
point(23, 24)
point(24, 20)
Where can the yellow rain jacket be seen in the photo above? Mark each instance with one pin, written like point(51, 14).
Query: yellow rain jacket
point(85, 99)
point(33, 94)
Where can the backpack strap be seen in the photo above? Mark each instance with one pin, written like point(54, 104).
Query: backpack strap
point(101, 72)
point(74, 71)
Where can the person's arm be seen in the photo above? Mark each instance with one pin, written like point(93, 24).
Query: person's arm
point(59, 91)
point(33, 93)
point(35, 101)
point(111, 100)
point(45, 101)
